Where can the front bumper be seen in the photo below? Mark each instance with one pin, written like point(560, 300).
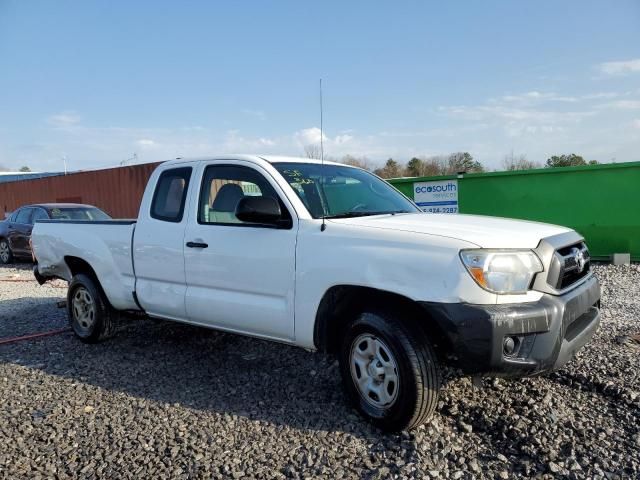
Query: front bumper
point(546, 334)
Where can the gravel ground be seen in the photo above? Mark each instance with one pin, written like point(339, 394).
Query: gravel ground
point(163, 400)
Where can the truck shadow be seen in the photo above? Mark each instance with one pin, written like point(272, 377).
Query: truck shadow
point(196, 368)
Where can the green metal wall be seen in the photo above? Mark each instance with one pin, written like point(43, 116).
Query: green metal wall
point(602, 202)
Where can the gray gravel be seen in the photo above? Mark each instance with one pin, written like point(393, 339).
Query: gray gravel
point(163, 400)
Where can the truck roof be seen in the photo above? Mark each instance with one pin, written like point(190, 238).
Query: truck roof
point(255, 158)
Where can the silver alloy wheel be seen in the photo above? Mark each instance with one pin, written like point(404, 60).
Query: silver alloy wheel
point(84, 311)
point(4, 251)
point(374, 371)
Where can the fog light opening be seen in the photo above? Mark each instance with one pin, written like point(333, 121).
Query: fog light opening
point(510, 346)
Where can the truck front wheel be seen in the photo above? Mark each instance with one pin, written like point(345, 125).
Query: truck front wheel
point(90, 315)
point(389, 371)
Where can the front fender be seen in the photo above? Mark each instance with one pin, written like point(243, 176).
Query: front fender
point(417, 266)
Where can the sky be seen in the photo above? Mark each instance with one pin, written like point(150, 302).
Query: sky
point(102, 83)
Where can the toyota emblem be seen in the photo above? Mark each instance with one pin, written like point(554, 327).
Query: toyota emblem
point(578, 256)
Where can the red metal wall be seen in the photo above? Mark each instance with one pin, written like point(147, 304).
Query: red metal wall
point(117, 191)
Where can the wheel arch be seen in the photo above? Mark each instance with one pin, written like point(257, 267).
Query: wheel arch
point(341, 303)
point(77, 265)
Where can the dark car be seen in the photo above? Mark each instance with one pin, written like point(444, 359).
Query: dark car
point(15, 231)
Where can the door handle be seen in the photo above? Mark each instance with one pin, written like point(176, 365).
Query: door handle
point(197, 245)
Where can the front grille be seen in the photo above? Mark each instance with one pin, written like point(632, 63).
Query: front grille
point(569, 265)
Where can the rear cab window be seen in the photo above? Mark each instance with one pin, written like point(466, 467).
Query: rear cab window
point(170, 195)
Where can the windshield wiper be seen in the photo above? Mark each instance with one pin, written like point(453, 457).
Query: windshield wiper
point(364, 214)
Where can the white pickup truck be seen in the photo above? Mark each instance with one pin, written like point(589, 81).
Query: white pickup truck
point(330, 257)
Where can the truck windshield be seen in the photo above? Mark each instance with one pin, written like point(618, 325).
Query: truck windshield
point(78, 213)
point(341, 191)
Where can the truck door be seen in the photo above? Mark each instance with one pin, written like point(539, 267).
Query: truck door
point(158, 255)
point(240, 276)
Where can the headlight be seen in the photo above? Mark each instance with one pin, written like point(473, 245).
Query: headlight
point(502, 271)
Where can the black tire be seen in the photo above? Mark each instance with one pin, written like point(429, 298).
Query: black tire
point(95, 327)
point(6, 255)
point(417, 372)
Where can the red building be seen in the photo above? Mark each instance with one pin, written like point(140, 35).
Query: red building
point(118, 191)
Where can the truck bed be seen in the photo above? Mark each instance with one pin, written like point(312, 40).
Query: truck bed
point(105, 244)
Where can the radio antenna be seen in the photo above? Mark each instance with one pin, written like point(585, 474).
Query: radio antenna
point(321, 130)
point(324, 225)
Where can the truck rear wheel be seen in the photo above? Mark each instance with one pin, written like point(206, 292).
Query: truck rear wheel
point(90, 315)
point(390, 371)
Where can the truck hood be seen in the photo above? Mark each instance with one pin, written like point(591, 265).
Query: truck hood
point(483, 231)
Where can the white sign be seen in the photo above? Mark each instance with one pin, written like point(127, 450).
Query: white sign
point(437, 197)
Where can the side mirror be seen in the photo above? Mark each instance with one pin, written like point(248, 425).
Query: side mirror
point(265, 210)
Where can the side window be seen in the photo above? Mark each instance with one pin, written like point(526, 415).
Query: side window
point(39, 214)
point(170, 195)
point(24, 216)
point(223, 186)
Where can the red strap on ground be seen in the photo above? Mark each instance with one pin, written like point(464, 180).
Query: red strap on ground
point(4, 341)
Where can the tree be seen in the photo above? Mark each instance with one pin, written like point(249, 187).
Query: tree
point(414, 167)
point(463, 162)
point(362, 162)
point(442, 165)
point(313, 151)
point(571, 160)
point(428, 166)
point(513, 162)
point(391, 169)
point(25, 169)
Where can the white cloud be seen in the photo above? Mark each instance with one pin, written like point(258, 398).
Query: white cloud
point(309, 136)
point(146, 143)
point(340, 144)
point(235, 142)
point(518, 130)
point(525, 96)
point(534, 95)
point(342, 139)
point(623, 105)
point(636, 123)
point(64, 119)
point(620, 67)
point(506, 112)
point(599, 95)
